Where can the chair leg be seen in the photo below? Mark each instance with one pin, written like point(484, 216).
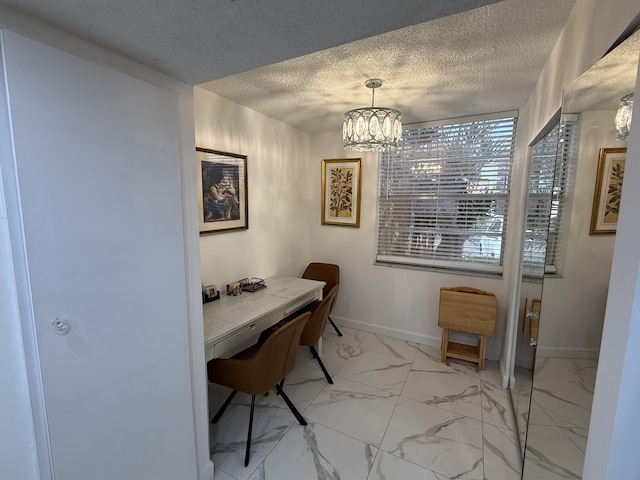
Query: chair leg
point(246, 455)
point(223, 407)
point(280, 385)
point(335, 327)
point(314, 352)
point(291, 406)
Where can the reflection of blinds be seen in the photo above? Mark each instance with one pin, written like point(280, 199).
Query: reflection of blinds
point(443, 194)
point(553, 164)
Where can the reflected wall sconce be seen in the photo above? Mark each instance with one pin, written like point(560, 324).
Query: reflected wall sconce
point(623, 117)
point(372, 129)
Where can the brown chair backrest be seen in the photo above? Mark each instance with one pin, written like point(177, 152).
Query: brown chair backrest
point(259, 368)
point(325, 272)
point(314, 328)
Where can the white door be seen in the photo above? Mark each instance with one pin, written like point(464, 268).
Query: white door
point(98, 167)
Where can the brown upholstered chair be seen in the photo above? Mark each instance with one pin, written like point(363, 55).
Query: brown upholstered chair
point(260, 367)
point(314, 328)
point(330, 274)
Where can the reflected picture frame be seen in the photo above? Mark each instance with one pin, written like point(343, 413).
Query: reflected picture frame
point(608, 191)
point(341, 191)
point(223, 199)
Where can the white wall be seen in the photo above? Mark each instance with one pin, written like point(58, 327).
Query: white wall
point(19, 363)
point(574, 304)
point(611, 451)
point(277, 241)
point(394, 301)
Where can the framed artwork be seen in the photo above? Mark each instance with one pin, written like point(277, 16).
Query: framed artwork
point(341, 180)
point(608, 192)
point(222, 191)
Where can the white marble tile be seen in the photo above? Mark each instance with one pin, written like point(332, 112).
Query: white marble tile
point(354, 409)
point(349, 340)
point(376, 370)
point(332, 355)
point(427, 355)
point(390, 467)
point(441, 441)
point(491, 373)
point(502, 456)
point(449, 389)
point(537, 416)
point(550, 455)
point(389, 346)
point(316, 452)
point(300, 389)
point(496, 406)
point(228, 437)
point(568, 404)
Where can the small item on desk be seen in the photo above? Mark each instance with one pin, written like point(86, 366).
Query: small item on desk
point(252, 284)
point(234, 288)
point(210, 293)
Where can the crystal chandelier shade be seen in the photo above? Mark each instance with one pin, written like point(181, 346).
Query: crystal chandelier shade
point(372, 129)
point(623, 117)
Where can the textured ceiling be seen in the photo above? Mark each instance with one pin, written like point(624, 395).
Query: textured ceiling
point(304, 62)
point(479, 61)
point(602, 86)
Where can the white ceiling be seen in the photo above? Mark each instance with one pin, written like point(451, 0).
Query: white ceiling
point(305, 62)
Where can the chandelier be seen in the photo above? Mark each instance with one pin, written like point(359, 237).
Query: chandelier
point(371, 129)
point(623, 117)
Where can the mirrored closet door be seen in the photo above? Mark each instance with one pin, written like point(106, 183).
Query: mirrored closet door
point(557, 353)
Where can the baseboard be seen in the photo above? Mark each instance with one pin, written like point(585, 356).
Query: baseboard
point(206, 472)
point(558, 352)
point(503, 373)
point(400, 334)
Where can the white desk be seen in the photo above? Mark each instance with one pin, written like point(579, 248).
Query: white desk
point(233, 323)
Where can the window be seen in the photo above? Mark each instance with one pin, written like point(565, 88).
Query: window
point(553, 165)
point(443, 195)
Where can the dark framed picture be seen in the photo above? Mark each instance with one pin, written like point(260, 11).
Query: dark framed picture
point(341, 180)
point(608, 191)
point(222, 191)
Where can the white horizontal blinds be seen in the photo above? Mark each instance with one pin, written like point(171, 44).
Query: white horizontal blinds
point(443, 194)
point(543, 163)
point(553, 165)
point(564, 181)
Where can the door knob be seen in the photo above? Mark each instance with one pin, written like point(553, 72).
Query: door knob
point(61, 326)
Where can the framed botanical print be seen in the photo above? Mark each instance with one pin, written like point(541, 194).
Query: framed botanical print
point(608, 191)
point(222, 191)
point(341, 179)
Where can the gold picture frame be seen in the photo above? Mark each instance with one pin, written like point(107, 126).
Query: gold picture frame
point(223, 201)
point(341, 181)
point(608, 191)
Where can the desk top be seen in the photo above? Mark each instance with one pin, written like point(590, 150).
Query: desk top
point(222, 318)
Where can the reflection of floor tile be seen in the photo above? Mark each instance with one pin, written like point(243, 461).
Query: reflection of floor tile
point(502, 457)
point(441, 441)
point(354, 409)
point(376, 370)
point(316, 452)
point(578, 436)
point(551, 455)
point(568, 404)
point(451, 390)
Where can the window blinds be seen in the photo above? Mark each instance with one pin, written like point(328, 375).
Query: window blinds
point(553, 165)
point(443, 196)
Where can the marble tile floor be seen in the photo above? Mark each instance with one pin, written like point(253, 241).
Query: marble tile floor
point(559, 420)
point(394, 412)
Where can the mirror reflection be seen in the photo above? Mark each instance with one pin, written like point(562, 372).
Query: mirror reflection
point(556, 364)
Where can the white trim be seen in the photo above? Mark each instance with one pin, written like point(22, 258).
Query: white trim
point(452, 121)
point(400, 334)
point(564, 352)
